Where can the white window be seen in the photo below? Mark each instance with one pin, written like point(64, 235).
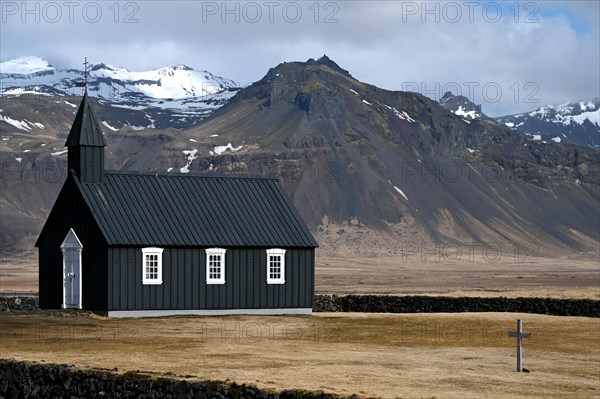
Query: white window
point(276, 266)
point(152, 265)
point(215, 266)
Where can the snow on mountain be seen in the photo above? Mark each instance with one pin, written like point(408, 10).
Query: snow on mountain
point(172, 96)
point(20, 124)
point(25, 65)
point(575, 122)
point(470, 114)
point(461, 106)
point(178, 81)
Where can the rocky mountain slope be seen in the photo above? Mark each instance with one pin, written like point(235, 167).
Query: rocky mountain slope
point(372, 171)
point(462, 106)
point(398, 162)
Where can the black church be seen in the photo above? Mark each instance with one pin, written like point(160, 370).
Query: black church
point(129, 244)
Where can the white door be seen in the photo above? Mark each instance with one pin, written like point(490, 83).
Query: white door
point(71, 249)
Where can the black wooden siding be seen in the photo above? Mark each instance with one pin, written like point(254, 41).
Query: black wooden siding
point(184, 281)
point(70, 212)
point(88, 162)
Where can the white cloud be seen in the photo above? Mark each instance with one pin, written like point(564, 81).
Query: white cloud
point(385, 43)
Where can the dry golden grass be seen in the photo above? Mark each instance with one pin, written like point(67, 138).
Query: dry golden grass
point(386, 355)
point(416, 275)
point(424, 275)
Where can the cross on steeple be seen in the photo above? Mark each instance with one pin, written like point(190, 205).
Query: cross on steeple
point(85, 64)
point(85, 76)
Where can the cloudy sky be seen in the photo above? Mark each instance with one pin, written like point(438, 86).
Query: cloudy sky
point(509, 56)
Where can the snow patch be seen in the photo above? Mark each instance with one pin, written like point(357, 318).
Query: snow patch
point(585, 105)
point(193, 141)
point(60, 153)
point(366, 102)
point(70, 105)
point(105, 123)
point(170, 169)
point(214, 135)
point(133, 107)
point(470, 150)
point(401, 193)
point(177, 81)
point(25, 65)
point(354, 92)
point(136, 128)
point(222, 148)
point(403, 115)
point(509, 124)
point(38, 125)
point(27, 151)
point(23, 125)
point(556, 139)
point(18, 160)
point(19, 90)
point(191, 155)
point(467, 114)
point(151, 125)
point(537, 137)
point(593, 117)
point(542, 112)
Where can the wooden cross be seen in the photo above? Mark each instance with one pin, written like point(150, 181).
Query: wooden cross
point(519, 334)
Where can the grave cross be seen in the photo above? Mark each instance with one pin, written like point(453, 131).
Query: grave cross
point(519, 334)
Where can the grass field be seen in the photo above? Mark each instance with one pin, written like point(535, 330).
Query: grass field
point(387, 355)
point(566, 277)
point(384, 355)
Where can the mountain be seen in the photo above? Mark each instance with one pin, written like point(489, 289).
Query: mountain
point(174, 96)
point(371, 171)
point(462, 106)
point(576, 122)
point(370, 161)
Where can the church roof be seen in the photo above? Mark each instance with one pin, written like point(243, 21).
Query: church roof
point(151, 209)
point(85, 130)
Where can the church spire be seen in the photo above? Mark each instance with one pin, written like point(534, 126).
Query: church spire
point(85, 129)
point(86, 143)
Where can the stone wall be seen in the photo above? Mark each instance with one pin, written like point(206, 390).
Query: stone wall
point(33, 380)
point(19, 304)
point(405, 304)
point(439, 304)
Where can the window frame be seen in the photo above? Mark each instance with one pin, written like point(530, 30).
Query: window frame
point(215, 251)
point(152, 251)
point(276, 252)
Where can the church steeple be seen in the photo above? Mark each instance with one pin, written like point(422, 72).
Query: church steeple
point(86, 145)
